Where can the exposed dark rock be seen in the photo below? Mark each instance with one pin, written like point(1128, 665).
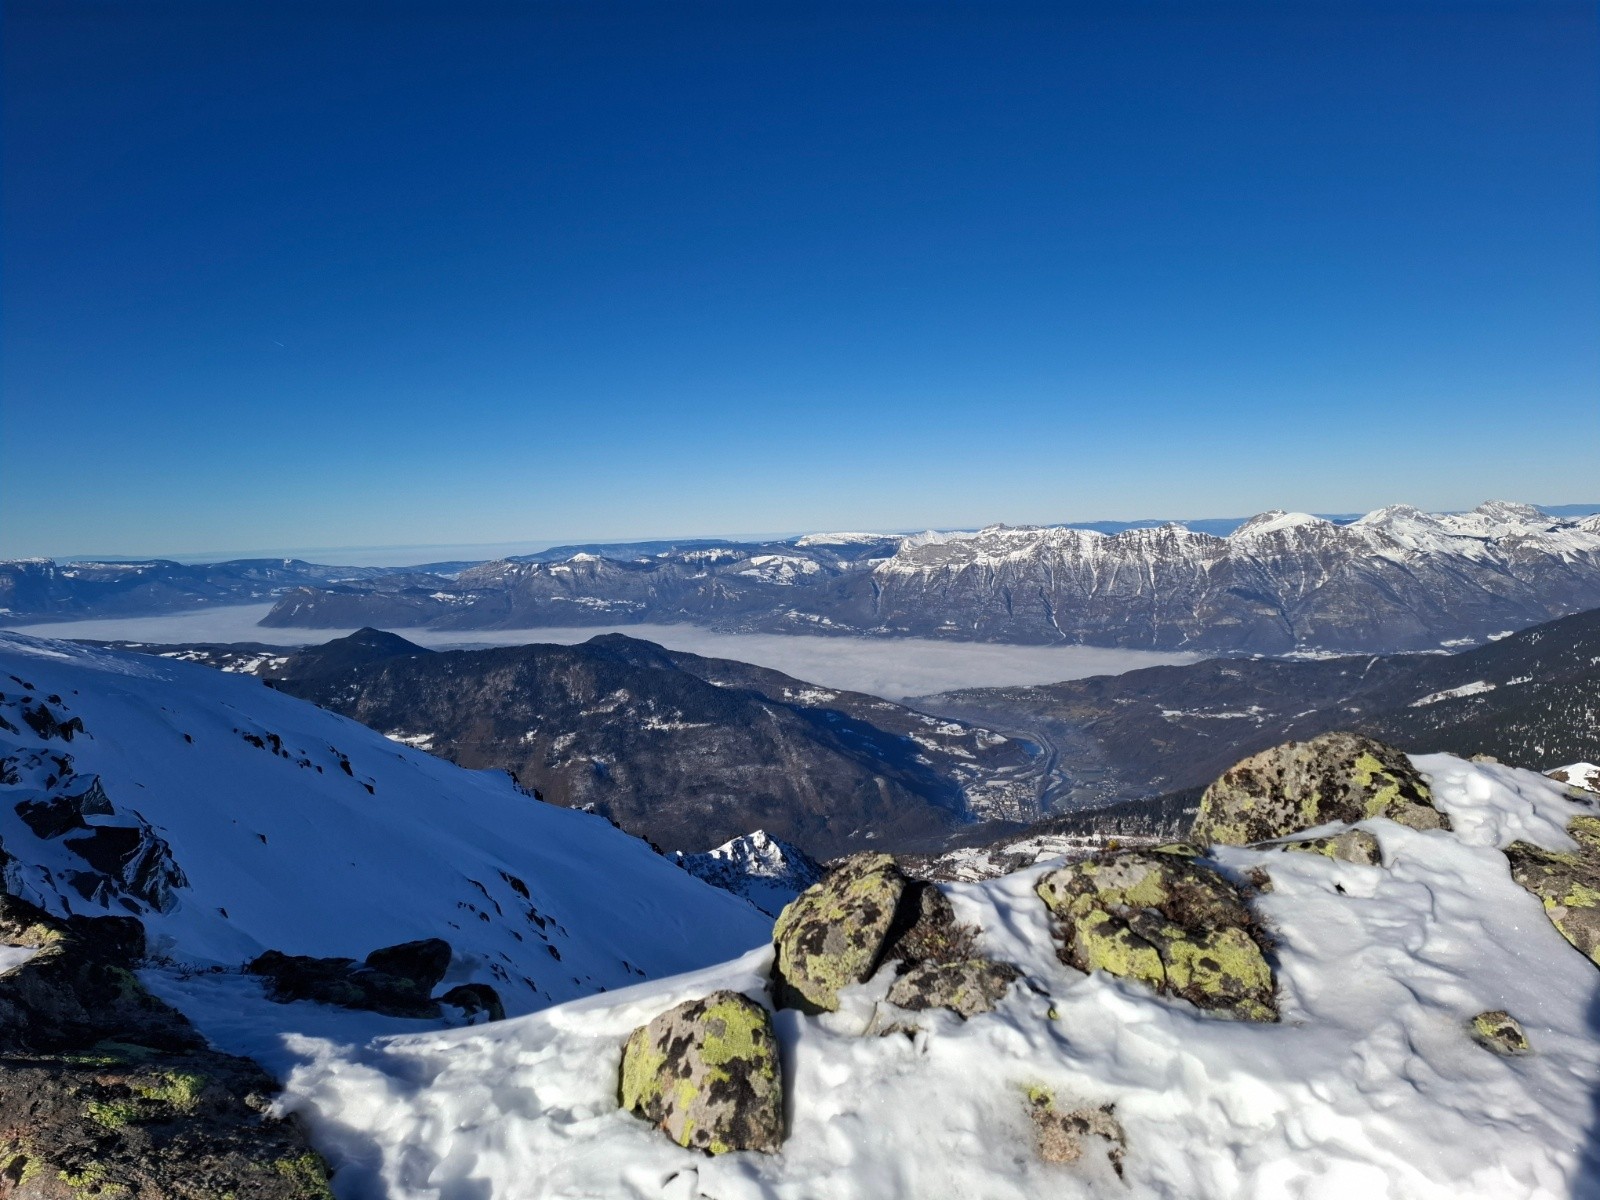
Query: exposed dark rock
point(343, 982)
point(476, 999)
point(1164, 920)
point(423, 962)
point(1341, 777)
point(707, 1074)
point(106, 1091)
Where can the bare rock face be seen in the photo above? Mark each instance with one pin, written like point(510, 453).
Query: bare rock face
point(834, 933)
point(1567, 883)
point(707, 1074)
point(1341, 777)
point(1166, 921)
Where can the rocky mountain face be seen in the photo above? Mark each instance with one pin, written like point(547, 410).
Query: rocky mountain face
point(1531, 699)
point(687, 751)
point(1395, 579)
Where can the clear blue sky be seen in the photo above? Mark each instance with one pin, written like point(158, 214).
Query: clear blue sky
point(335, 274)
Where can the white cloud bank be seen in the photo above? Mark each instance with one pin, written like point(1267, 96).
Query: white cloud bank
point(890, 667)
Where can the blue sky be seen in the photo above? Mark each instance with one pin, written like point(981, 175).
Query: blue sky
point(335, 274)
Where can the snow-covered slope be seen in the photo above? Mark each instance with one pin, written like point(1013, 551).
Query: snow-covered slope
point(233, 819)
point(1368, 1087)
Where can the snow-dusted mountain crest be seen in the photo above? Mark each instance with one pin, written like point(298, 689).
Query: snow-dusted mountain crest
point(1395, 579)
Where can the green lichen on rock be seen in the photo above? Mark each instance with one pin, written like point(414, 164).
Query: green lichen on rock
point(968, 988)
point(1337, 777)
point(1566, 882)
point(1351, 846)
point(1499, 1031)
point(307, 1174)
point(833, 934)
point(707, 1074)
point(1166, 921)
point(1061, 1135)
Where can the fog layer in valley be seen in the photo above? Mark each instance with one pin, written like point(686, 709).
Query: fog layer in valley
point(890, 667)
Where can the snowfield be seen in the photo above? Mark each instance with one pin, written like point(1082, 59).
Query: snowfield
point(298, 830)
point(1369, 1086)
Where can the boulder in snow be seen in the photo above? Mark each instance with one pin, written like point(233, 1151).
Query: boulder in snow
point(395, 980)
point(968, 987)
point(1568, 883)
point(475, 1000)
point(707, 1074)
point(1166, 921)
point(1342, 777)
point(834, 933)
point(1499, 1031)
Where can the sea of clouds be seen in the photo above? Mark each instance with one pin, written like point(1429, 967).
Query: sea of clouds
point(890, 667)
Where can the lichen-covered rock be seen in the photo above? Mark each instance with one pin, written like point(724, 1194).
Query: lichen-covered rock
point(1352, 846)
point(707, 1074)
point(1567, 882)
point(1499, 1031)
point(1341, 777)
point(968, 987)
point(1166, 921)
point(107, 1092)
point(422, 962)
point(834, 933)
point(1062, 1135)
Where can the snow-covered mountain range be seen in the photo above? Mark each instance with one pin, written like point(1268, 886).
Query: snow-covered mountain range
point(1395, 579)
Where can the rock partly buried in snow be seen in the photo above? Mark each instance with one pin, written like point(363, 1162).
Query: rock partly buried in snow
point(969, 987)
point(833, 935)
point(1167, 922)
point(107, 1092)
point(1341, 777)
point(706, 1073)
point(1062, 1135)
point(394, 980)
point(1500, 1032)
point(1567, 882)
point(475, 1000)
point(1351, 846)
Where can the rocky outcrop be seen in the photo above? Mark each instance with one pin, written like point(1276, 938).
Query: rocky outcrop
point(1337, 777)
point(867, 914)
point(397, 981)
point(1167, 921)
point(707, 1074)
point(969, 987)
point(1566, 882)
point(835, 932)
point(105, 1091)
